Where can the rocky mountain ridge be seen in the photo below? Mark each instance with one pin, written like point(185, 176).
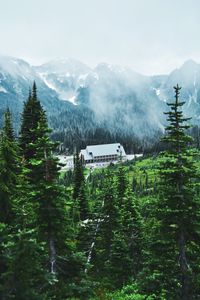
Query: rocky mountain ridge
point(110, 97)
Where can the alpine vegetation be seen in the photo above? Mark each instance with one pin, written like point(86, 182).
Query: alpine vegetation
point(128, 230)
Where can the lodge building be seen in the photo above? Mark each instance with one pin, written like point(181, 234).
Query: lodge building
point(103, 153)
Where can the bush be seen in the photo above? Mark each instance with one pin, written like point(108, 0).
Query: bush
point(129, 292)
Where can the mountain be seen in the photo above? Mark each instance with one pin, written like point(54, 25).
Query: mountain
point(107, 101)
point(64, 76)
point(188, 77)
point(16, 78)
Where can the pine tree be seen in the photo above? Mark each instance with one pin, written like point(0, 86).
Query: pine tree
point(45, 173)
point(109, 244)
point(126, 249)
point(30, 118)
point(54, 227)
point(7, 128)
point(122, 184)
point(83, 202)
point(9, 170)
point(132, 233)
point(78, 175)
point(173, 245)
point(125, 256)
point(21, 269)
point(25, 277)
point(80, 202)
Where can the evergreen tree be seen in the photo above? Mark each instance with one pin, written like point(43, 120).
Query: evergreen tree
point(30, 118)
point(9, 169)
point(54, 227)
point(173, 245)
point(80, 203)
point(7, 128)
point(21, 270)
point(125, 257)
point(78, 175)
point(132, 233)
point(122, 184)
point(109, 243)
point(25, 278)
point(83, 202)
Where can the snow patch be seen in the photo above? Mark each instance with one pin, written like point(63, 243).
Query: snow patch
point(3, 90)
point(63, 94)
point(157, 91)
point(42, 75)
point(96, 76)
point(192, 98)
point(72, 100)
point(83, 76)
point(60, 79)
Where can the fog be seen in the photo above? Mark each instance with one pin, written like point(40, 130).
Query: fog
point(151, 37)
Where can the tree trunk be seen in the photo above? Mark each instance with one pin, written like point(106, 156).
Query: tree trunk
point(184, 269)
point(94, 240)
point(52, 255)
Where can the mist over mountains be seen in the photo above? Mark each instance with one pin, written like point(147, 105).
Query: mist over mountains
point(100, 104)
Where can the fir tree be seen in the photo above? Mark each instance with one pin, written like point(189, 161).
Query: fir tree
point(54, 228)
point(80, 203)
point(132, 233)
point(108, 240)
point(9, 170)
point(7, 128)
point(122, 184)
point(21, 273)
point(25, 276)
point(78, 175)
point(173, 255)
point(30, 118)
point(83, 203)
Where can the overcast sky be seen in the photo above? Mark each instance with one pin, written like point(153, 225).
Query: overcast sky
point(150, 36)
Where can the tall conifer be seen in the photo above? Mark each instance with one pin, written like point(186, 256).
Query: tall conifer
point(54, 227)
point(9, 169)
point(30, 118)
point(173, 256)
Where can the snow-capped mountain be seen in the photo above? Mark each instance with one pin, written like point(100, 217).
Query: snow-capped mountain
point(112, 97)
point(16, 78)
point(64, 76)
point(188, 77)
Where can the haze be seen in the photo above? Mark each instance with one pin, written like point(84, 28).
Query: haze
point(149, 36)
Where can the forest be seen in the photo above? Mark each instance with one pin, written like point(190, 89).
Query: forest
point(130, 231)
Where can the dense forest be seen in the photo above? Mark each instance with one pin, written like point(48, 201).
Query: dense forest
point(130, 231)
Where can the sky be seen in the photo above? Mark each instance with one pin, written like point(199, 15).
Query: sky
point(149, 36)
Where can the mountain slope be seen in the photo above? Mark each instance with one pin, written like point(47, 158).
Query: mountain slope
point(80, 99)
point(16, 78)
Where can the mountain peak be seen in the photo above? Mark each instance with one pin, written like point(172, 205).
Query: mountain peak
point(187, 70)
point(63, 65)
point(190, 64)
point(15, 66)
point(5, 60)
